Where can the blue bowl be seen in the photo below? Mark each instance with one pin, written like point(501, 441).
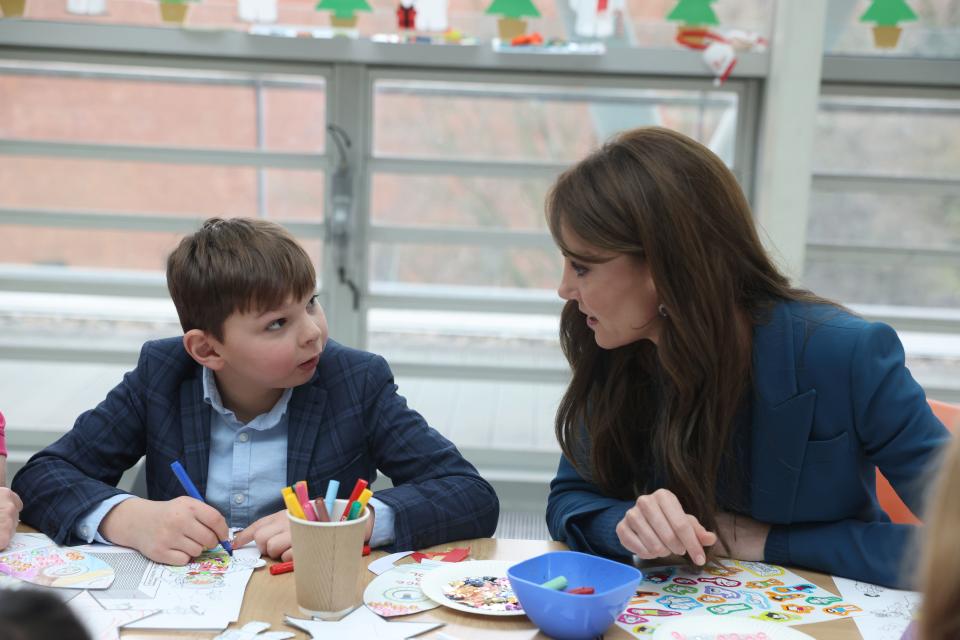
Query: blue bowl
point(569, 616)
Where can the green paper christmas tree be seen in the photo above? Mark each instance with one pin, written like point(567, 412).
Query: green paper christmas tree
point(513, 8)
point(693, 12)
point(343, 9)
point(886, 14)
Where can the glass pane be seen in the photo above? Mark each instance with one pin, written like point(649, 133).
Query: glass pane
point(541, 124)
point(488, 415)
point(99, 248)
point(465, 266)
point(888, 136)
point(453, 201)
point(895, 282)
point(466, 338)
point(154, 188)
point(92, 104)
point(874, 218)
point(934, 34)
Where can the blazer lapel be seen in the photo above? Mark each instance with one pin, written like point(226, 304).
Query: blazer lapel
point(782, 419)
point(303, 428)
point(195, 421)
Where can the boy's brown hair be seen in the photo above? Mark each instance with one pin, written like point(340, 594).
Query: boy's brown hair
point(236, 264)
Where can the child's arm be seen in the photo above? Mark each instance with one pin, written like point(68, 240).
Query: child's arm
point(65, 481)
point(437, 495)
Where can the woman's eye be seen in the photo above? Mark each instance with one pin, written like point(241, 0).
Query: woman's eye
point(276, 324)
point(578, 269)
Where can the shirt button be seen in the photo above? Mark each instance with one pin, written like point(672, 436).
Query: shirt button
point(244, 437)
point(238, 498)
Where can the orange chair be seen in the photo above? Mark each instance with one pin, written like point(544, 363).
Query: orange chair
point(949, 415)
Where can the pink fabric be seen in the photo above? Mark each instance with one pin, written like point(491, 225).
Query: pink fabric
point(3, 439)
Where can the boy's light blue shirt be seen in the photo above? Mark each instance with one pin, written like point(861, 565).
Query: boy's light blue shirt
point(247, 469)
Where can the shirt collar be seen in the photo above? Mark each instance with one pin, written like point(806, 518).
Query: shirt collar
point(211, 395)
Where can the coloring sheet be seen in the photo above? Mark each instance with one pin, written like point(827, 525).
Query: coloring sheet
point(204, 594)
point(887, 612)
point(34, 558)
point(733, 588)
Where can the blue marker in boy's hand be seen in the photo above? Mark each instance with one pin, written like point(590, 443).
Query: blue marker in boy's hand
point(191, 490)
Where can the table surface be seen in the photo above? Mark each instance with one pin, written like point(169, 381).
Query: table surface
point(269, 598)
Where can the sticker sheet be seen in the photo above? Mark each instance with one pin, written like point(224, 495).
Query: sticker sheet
point(34, 558)
point(887, 612)
point(733, 588)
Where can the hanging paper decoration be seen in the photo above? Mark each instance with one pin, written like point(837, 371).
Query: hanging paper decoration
point(886, 14)
point(13, 8)
point(174, 11)
point(343, 11)
point(510, 25)
point(694, 16)
point(595, 18)
point(87, 7)
point(720, 48)
point(406, 15)
point(431, 15)
point(257, 10)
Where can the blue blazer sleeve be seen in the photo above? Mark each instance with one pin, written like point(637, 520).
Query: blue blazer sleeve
point(437, 495)
point(579, 515)
point(65, 480)
point(895, 430)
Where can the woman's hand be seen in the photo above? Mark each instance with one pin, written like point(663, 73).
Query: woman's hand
point(746, 536)
point(657, 526)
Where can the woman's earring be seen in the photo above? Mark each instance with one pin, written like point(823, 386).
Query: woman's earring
point(662, 310)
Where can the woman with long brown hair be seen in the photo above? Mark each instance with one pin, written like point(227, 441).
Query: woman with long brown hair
point(713, 407)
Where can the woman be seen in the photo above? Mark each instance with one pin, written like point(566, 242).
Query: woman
point(714, 408)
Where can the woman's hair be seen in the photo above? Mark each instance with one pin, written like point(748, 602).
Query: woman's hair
point(939, 615)
point(26, 614)
point(668, 408)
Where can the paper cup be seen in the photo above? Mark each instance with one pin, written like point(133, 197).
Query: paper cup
point(327, 562)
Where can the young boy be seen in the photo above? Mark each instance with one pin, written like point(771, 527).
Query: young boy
point(252, 398)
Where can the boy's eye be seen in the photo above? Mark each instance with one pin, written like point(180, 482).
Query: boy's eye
point(276, 324)
point(313, 301)
point(578, 269)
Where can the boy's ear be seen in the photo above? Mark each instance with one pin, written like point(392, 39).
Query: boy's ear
point(203, 348)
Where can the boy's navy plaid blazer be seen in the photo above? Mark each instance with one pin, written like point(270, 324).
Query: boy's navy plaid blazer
point(345, 423)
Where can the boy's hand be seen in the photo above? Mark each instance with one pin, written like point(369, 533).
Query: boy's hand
point(10, 507)
point(272, 535)
point(169, 532)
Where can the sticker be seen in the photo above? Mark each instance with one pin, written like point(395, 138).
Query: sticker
point(763, 584)
point(776, 616)
point(678, 603)
point(796, 608)
point(728, 608)
point(842, 609)
point(757, 600)
point(720, 581)
point(723, 593)
point(822, 600)
point(759, 569)
point(680, 589)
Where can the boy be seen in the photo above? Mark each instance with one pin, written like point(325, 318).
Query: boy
point(252, 398)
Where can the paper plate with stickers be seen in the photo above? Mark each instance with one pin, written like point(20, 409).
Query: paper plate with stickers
point(479, 586)
point(710, 628)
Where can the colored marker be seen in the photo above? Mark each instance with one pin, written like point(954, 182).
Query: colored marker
point(191, 490)
point(557, 584)
point(354, 511)
point(320, 507)
point(354, 495)
point(332, 488)
point(365, 496)
point(292, 505)
point(303, 497)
